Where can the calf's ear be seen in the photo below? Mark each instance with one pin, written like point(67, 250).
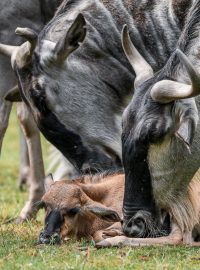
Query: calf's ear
point(103, 212)
point(71, 40)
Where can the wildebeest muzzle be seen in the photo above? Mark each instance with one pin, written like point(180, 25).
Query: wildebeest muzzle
point(51, 232)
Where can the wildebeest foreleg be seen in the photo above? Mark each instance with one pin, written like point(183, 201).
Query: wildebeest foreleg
point(24, 172)
point(36, 163)
point(5, 108)
point(174, 238)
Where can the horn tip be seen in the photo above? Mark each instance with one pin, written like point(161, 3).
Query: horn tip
point(124, 34)
point(18, 30)
point(125, 27)
point(125, 30)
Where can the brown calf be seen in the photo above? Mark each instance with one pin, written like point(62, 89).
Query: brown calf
point(86, 207)
point(91, 207)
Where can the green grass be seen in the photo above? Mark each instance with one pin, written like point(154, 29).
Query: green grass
point(18, 248)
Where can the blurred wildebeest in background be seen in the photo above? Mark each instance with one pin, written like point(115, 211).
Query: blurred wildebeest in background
point(30, 14)
point(161, 138)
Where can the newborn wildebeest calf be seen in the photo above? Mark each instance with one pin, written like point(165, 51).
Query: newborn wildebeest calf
point(88, 207)
point(91, 207)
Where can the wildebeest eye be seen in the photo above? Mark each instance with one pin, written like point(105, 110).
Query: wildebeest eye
point(73, 211)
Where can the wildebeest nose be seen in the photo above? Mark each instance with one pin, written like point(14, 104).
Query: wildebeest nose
point(45, 238)
point(133, 227)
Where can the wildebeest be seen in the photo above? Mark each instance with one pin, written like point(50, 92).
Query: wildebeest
point(77, 93)
point(31, 14)
point(161, 136)
point(86, 207)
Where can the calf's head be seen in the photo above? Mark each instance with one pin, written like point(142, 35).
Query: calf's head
point(162, 115)
point(71, 212)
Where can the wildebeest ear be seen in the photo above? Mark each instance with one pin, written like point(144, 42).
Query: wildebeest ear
point(71, 40)
point(186, 132)
point(104, 212)
point(48, 181)
point(188, 119)
point(13, 95)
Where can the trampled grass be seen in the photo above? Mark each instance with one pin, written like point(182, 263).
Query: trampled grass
point(18, 243)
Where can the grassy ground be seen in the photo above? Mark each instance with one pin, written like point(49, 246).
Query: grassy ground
point(18, 249)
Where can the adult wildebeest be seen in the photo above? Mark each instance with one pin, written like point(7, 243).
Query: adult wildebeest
point(161, 136)
point(77, 94)
point(32, 14)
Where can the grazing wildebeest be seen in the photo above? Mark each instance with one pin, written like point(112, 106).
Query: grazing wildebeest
point(89, 207)
point(32, 14)
point(161, 136)
point(77, 93)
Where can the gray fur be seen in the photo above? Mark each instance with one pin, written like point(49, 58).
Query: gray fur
point(90, 90)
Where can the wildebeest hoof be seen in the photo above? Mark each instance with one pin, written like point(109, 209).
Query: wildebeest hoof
point(19, 220)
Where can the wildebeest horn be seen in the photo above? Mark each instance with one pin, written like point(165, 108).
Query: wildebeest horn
point(29, 34)
point(167, 91)
point(7, 50)
point(142, 69)
point(10, 51)
point(21, 54)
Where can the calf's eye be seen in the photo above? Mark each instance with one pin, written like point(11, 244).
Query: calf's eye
point(73, 211)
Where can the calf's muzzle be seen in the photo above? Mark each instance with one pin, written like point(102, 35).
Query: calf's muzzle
point(51, 232)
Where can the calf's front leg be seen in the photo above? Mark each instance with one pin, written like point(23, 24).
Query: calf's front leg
point(174, 238)
point(113, 230)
